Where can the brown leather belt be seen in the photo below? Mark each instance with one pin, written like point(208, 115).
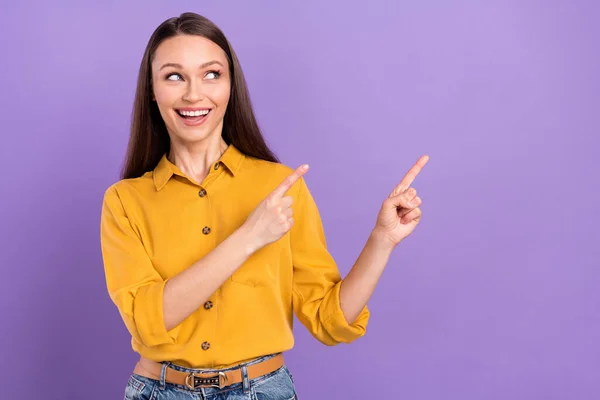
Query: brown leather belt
point(151, 369)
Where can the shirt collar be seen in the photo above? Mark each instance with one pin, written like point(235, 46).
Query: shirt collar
point(231, 159)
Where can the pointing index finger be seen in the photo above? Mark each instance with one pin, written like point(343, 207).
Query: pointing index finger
point(289, 181)
point(411, 175)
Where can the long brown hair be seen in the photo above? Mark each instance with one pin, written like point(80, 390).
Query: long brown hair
point(149, 139)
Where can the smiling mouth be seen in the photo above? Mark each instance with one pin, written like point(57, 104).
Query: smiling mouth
point(193, 117)
point(193, 114)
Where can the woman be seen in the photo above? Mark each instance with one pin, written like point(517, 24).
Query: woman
point(202, 254)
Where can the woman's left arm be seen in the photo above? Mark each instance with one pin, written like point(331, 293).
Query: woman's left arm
point(398, 217)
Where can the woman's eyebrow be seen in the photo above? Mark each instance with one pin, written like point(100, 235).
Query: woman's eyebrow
point(202, 66)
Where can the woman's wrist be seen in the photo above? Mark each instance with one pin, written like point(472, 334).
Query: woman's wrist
point(245, 238)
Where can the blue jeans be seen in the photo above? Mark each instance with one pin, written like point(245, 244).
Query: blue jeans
point(277, 385)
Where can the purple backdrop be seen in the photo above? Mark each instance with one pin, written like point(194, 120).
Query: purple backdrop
point(495, 296)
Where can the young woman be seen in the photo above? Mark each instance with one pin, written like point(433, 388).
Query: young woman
point(210, 245)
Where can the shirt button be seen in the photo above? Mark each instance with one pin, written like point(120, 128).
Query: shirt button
point(206, 230)
point(202, 193)
point(208, 305)
point(205, 346)
point(217, 165)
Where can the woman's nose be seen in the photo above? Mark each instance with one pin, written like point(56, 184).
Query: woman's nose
point(193, 93)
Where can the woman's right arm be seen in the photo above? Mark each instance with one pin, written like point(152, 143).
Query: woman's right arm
point(152, 307)
point(271, 219)
point(187, 291)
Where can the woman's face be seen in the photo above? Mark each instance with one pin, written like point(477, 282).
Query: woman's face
point(191, 85)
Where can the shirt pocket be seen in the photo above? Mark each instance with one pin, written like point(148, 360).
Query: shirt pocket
point(262, 268)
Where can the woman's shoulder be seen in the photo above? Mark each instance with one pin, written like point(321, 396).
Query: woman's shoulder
point(126, 187)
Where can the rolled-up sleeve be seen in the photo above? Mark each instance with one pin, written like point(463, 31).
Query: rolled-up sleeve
point(133, 283)
point(317, 280)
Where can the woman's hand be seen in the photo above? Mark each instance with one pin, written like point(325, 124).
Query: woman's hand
point(400, 212)
point(272, 218)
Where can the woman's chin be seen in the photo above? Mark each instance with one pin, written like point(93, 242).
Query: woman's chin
point(191, 135)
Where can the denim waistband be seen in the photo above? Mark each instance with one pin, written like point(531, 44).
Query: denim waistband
point(209, 371)
point(277, 384)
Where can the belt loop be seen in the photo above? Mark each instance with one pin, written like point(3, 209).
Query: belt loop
point(163, 375)
point(245, 380)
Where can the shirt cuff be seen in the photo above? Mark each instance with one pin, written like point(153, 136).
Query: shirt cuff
point(149, 317)
point(336, 324)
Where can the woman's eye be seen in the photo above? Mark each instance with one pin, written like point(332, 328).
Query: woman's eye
point(213, 75)
point(173, 77)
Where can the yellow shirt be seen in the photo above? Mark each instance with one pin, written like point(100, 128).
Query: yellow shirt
point(157, 225)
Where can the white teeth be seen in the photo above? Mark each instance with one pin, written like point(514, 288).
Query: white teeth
point(193, 113)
